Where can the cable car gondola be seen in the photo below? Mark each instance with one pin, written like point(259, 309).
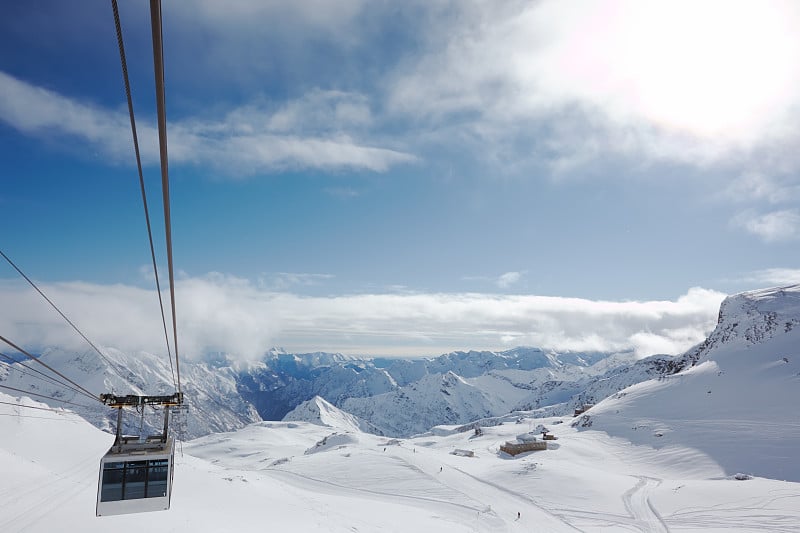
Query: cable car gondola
point(136, 473)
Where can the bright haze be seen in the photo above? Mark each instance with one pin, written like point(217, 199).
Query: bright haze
point(401, 178)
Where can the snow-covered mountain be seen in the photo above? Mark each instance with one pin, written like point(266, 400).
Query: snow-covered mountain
point(281, 381)
point(402, 397)
point(735, 397)
point(213, 403)
point(321, 412)
point(397, 397)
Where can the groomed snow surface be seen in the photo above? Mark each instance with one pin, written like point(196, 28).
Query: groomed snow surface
point(329, 476)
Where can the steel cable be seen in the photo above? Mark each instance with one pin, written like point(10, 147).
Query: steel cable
point(118, 26)
point(158, 66)
point(96, 349)
point(42, 376)
point(32, 407)
point(43, 396)
point(48, 367)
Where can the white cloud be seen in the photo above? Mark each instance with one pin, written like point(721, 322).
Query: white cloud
point(508, 279)
point(776, 226)
point(642, 79)
point(774, 276)
point(242, 18)
point(315, 111)
point(286, 280)
point(224, 313)
point(40, 112)
point(758, 186)
point(248, 140)
point(503, 281)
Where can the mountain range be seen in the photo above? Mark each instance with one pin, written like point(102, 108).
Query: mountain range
point(403, 397)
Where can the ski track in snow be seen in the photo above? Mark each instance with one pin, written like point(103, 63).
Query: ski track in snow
point(324, 482)
point(598, 519)
point(751, 514)
point(495, 506)
point(637, 502)
point(54, 491)
point(542, 517)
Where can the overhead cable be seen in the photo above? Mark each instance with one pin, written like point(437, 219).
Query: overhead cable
point(15, 415)
point(50, 368)
point(42, 376)
point(124, 63)
point(43, 396)
point(96, 349)
point(158, 65)
point(32, 407)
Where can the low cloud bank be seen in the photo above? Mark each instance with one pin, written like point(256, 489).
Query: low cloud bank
point(218, 313)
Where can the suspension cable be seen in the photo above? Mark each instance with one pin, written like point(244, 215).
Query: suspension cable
point(118, 26)
point(43, 396)
point(96, 349)
point(50, 368)
point(38, 417)
point(32, 407)
point(158, 65)
point(42, 376)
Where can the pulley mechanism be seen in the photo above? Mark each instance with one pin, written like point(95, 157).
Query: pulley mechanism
point(132, 400)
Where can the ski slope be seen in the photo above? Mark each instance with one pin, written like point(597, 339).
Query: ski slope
point(737, 404)
point(304, 476)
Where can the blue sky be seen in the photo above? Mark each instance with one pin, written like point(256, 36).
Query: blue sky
point(410, 177)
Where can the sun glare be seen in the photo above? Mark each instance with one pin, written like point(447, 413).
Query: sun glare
point(721, 69)
point(709, 67)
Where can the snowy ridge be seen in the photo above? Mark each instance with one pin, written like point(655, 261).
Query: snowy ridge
point(752, 317)
point(213, 401)
point(450, 398)
point(319, 411)
point(397, 397)
point(443, 398)
point(402, 397)
point(735, 400)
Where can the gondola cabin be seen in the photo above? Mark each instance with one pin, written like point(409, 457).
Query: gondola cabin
point(136, 473)
point(136, 476)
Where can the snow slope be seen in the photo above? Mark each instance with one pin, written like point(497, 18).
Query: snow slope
point(276, 476)
point(736, 402)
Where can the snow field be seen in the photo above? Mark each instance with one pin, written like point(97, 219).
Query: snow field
point(262, 478)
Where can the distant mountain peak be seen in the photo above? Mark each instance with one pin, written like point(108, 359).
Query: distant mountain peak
point(321, 412)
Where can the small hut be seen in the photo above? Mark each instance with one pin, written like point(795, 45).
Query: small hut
point(524, 443)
